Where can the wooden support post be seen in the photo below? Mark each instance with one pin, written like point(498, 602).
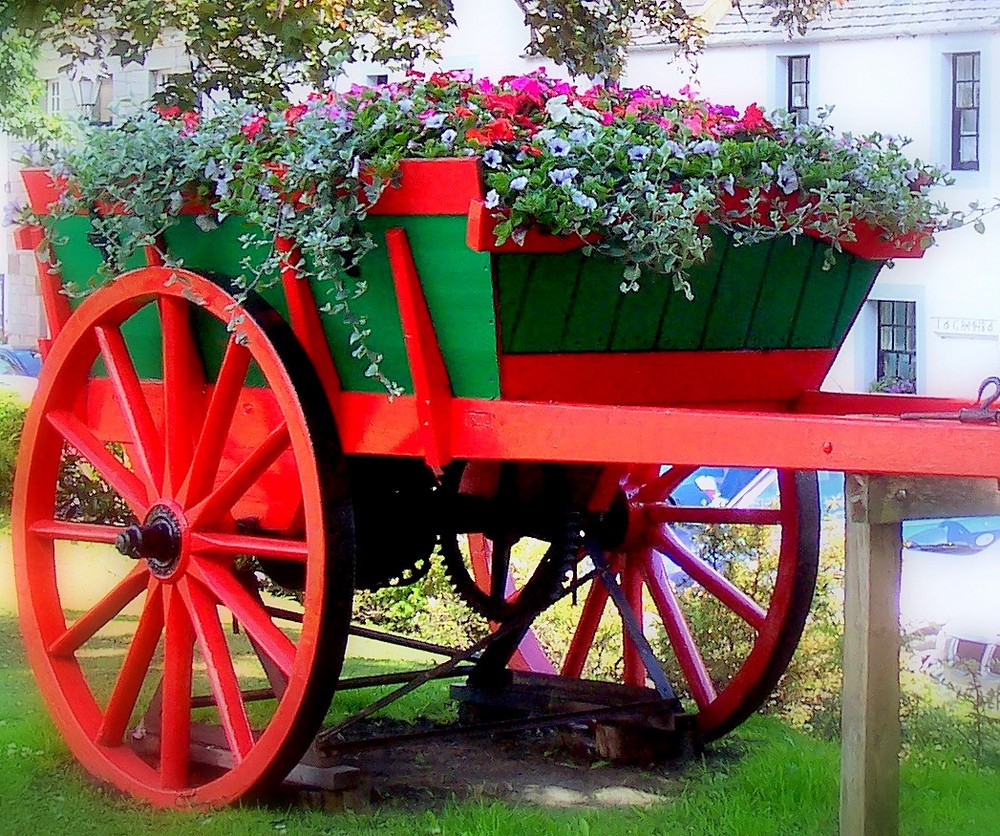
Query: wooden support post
point(869, 775)
point(876, 507)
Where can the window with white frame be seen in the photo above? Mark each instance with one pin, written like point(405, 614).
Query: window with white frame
point(797, 87)
point(965, 83)
point(53, 95)
point(896, 330)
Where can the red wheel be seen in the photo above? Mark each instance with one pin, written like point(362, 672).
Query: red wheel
point(726, 628)
point(229, 466)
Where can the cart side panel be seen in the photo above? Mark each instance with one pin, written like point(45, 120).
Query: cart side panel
point(766, 296)
point(457, 283)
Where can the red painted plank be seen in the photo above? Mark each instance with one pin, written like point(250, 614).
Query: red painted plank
point(664, 377)
point(444, 186)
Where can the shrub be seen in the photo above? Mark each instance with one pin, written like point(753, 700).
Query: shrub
point(12, 410)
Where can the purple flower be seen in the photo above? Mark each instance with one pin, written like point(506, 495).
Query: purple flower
point(559, 147)
point(12, 210)
point(639, 152)
point(492, 199)
point(562, 176)
point(706, 146)
point(583, 200)
point(434, 122)
point(406, 105)
point(788, 180)
point(581, 136)
point(675, 148)
point(766, 169)
point(492, 158)
point(519, 184)
point(448, 137)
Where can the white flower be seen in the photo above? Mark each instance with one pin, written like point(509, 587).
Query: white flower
point(492, 199)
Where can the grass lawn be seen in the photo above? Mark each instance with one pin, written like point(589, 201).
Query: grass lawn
point(767, 780)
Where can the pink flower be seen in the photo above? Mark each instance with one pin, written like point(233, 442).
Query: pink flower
point(607, 117)
point(694, 124)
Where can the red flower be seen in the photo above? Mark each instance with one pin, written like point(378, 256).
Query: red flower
point(190, 120)
point(476, 135)
point(294, 113)
point(254, 126)
point(754, 119)
point(501, 130)
point(168, 112)
point(463, 111)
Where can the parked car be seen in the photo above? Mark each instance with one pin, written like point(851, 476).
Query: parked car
point(19, 368)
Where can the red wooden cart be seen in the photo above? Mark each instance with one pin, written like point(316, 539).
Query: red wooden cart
point(252, 453)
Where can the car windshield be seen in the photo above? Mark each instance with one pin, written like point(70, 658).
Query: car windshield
point(31, 360)
point(965, 536)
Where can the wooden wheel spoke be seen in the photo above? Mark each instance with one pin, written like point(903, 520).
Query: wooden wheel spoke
point(583, 636)
point(134, 669)
point(634, 672)
point(678, 632)
point(125, 483)
point(79, 532)
point(218, 423)
point(666, 542)
point(224, 496)
point(249, 611)
point(87, 625)
point(660, 487)
point(175, 725)
point(220, 669)
point(182, 376)
point(273, 548)
point(146, 451)
point(663, 513)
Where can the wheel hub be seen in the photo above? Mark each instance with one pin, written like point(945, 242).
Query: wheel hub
point(157, 541)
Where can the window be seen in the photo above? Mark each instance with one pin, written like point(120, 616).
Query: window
point(965, 111)
point(797, 98)
point(897, 341)
point(53, 96)
point(378, 79)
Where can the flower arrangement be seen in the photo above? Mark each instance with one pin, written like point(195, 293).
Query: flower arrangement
point(635, 173)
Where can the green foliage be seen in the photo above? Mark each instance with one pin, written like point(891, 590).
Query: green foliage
point(21, 113)
point(82, 495)
point(259, 49)
point(428, 609)
point(12, 411)
point(592, 38)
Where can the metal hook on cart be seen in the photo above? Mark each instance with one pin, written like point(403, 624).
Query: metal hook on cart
point(983, 411)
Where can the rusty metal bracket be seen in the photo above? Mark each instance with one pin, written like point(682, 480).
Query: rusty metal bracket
point(982, 411)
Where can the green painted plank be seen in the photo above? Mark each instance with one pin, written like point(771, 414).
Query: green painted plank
point(684, 320)
point(820, 303)
point(773, 317)
point(546, 304)
point(512, 276)
point(637, 320)
point(862, 276)
point(735, 298)
point(591, 318)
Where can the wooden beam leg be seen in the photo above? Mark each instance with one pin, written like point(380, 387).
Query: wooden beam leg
point(869, 775)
